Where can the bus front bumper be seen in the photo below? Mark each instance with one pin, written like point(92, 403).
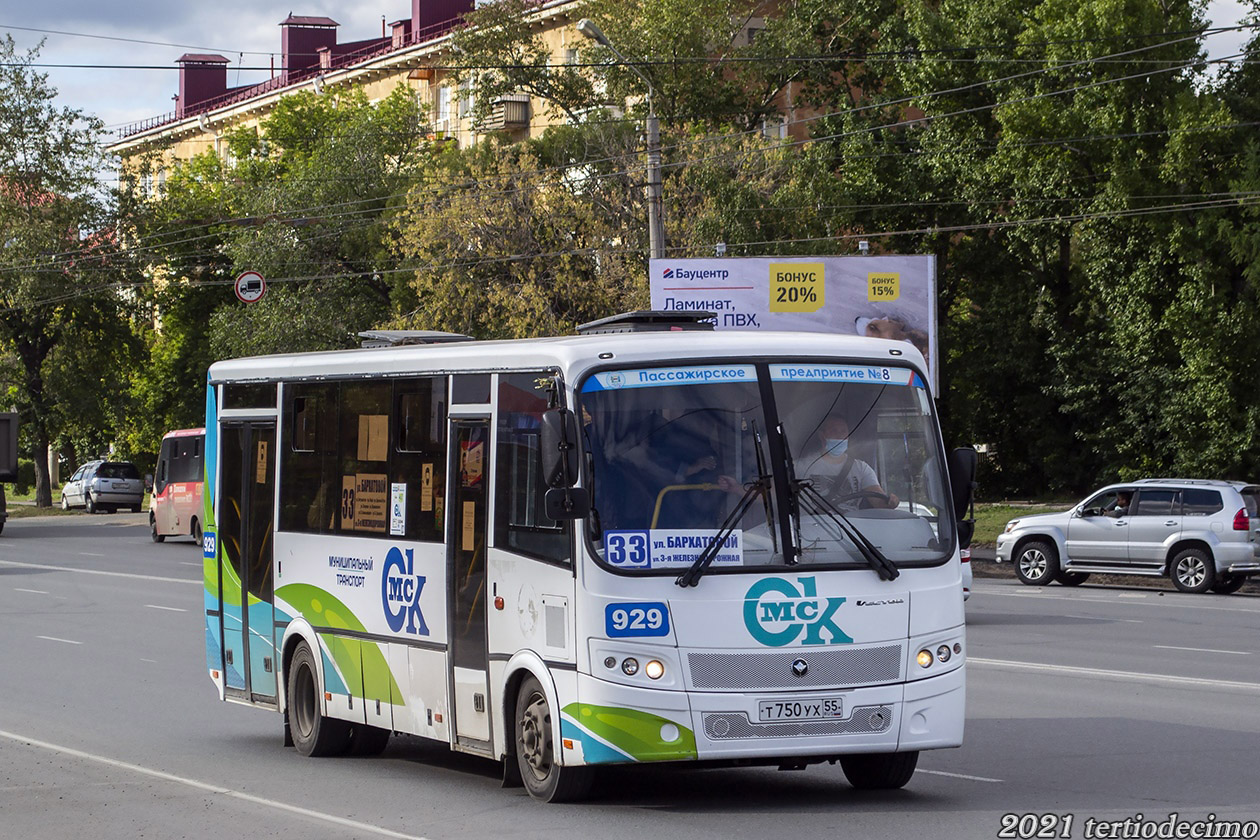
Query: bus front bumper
point(615, 723)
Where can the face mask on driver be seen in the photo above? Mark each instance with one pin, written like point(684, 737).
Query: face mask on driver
point(835, 447)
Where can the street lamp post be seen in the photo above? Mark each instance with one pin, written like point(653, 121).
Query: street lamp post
point(656, 225)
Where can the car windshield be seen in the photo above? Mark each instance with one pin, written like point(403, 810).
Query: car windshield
point(796, 463)
point(117, 470)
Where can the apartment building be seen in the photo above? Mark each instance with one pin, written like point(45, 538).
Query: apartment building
point(411, 52)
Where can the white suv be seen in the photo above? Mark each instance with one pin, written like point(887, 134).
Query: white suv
point(1203, 534)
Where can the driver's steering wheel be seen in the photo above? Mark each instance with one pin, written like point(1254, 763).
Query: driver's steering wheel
point(864, 496)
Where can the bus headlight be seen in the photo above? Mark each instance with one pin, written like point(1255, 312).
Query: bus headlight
point(943, 653)
point(629, 666)
point(924, 658)
point(654, 669)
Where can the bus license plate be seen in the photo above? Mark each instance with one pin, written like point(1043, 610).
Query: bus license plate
point(820, 708)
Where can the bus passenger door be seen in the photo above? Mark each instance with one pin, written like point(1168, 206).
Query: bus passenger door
point(247, 471)
point(466, 571)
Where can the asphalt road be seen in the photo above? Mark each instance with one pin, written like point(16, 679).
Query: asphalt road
point(1100, 703)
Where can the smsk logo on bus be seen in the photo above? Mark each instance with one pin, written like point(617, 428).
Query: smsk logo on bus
point(400, 593)
point(777, 613)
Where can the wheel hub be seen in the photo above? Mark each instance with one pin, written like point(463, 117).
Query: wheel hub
point(536, 736)
point(1033, 563)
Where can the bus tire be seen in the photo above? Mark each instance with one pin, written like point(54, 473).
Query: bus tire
point(153, 531)
point(1037, 563)
point(879, 771)
point(543, 777)
point(313, 734)
point(195, 530)
point(368, 740)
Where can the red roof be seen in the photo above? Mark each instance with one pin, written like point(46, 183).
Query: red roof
point(301, 20)
point(202, 58)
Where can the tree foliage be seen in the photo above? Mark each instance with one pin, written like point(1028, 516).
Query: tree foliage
point(61, 315)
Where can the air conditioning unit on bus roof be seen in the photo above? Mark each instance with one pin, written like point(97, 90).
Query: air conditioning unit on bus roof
point(650, 320)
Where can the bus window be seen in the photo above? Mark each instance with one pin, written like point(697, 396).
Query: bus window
point(364, 457)
point(520, 522)
point(419, 457)
point(309, 489)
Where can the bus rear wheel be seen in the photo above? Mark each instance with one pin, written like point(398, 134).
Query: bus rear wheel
point(881, 771)
point(313, 734)
point(535, 751)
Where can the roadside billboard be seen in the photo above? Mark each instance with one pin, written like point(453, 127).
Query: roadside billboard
point(885, 296)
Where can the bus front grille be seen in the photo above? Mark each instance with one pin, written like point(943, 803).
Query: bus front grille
point(864, 720)
point(827, 668)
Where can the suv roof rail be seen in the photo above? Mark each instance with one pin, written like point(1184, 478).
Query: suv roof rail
point(1206, 481)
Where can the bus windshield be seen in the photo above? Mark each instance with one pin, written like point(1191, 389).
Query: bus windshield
point(802, 462)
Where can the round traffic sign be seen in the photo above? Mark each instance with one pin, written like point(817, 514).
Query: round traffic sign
point(250, 287)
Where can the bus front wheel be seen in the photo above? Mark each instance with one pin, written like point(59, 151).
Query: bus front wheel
point(313, 734)
point(881, 771)
point(544, 778)
point(153, 531)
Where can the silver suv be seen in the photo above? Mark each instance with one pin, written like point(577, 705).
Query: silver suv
point(1202, 534)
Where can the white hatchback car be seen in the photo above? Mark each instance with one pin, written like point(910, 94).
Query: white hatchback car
point(1202, 534)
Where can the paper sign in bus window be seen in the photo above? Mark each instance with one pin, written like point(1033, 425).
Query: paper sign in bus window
point(472, 461)
point(426, 488)
point(260, 471)
point(373, 437)
point(398, 510)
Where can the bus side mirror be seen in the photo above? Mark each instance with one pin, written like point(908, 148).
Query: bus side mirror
point(557, 443)
point(148, 482)
point(558, 447)
point(962, 487)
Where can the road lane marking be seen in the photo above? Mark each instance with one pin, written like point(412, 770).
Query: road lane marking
point(960, 776)
point(1204, 650)
point(189, 563)
point(16, 564)
point(332, 819)
point(160, 607)
point(1131, 595)
point(31, 591)
point(1170, 602)
point(1105, 618)
point(90, 554)
point(55, 639)
point(1108, 674)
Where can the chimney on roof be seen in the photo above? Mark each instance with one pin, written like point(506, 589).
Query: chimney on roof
point(301, 39)
point(202, 77)
point(427, 13)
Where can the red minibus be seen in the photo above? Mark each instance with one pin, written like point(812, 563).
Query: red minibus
point(175, 506)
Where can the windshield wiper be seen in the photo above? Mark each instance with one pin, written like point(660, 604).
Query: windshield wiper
point(885, 568)
point(697, 569)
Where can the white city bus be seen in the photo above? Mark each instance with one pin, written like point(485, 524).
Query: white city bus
point(637, 544)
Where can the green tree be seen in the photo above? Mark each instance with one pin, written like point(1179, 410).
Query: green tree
point(304, 200)
point(59, 264)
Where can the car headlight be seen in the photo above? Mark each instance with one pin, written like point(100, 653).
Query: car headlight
point(1010, 526)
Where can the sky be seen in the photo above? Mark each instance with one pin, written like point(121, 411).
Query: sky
point(245, 31)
